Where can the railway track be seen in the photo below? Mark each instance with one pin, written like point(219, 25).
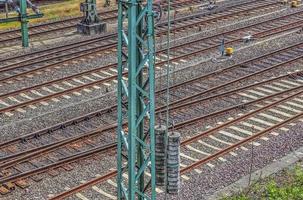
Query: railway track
point(108, 42)
point(26, 158)
point(52, 148)
point(74, 157)
point(70, 23)
point(174, 105)
point(50, 27)
point(206, 146)
point(95, 78)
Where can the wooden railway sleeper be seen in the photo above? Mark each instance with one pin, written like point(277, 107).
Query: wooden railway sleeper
point(36, 177)
point(52, 172)
point(35, 163)
point(21, 183)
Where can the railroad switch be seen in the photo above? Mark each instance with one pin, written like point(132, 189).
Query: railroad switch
point(91, 23)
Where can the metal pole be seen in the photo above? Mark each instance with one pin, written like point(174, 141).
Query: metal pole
point(121, 92)
point(6, 10)
point(24, 23)
point(136, 48)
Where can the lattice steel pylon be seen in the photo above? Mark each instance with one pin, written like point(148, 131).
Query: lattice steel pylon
point(136, 90)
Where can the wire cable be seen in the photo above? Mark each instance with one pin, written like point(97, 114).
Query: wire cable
point(167, 82)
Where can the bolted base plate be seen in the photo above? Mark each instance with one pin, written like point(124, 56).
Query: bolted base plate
point(91, 29)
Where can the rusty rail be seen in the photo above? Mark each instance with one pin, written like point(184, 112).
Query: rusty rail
point(6, 109)
point(195, 138)
point(113, 45)
point(112, 146)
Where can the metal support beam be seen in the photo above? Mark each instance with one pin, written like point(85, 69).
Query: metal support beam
point(24, 23)
point(18, 19)
point(136, 142)
point(23, 18)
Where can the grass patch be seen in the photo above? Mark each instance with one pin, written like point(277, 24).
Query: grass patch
point(68, 8)
point(287, 185)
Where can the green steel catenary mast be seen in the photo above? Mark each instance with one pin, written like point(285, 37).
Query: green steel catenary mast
point(24, 23)
point(136, 148)
point(23, 18)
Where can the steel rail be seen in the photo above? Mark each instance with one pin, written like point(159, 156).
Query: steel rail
point(197, 163)
point(192, 102)
point(245, 116)
point(177, 126)
point(81, 187)
point(158, 110)
point(254, 35)
point(55, 165)
point(83, 53)
point(107, 36)
point(241, 63)
point(109, 46)
point(226, 8)
point(108, 78)
point(69, 26)
point(6, 40)
point(113, 35)
point(238, 144)
point(80, 17)
point(95, 39)
point(59, 49)
point(29, 102)
point(111, 108)
point(54, 22)
point(95, 50)
point(231, 82)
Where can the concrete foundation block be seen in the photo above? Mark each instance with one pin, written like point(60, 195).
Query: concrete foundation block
point(92, 29)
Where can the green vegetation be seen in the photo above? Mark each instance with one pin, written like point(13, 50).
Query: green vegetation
point(68, 8)
point(288, 185)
